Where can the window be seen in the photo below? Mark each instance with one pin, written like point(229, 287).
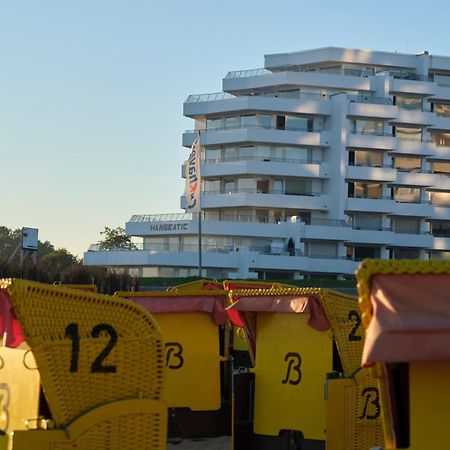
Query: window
point(294, 123)
point(211, 186)
point(264, 121)
point(440, 228)
point(248, 121)
point(367, 190)
point(366, 222)
point(367, 158)
point(246, 184)
point(360, 252)
point(442, 80)
point(408, 225)
point(246, 153)
point(375, 127)
point(442, 109)
point(414, 103)
point(277, 186)
point(289, 94)
point(409, 133)
point(440, 198)
point(262, 186)
point(214, 124)
point(262, 152)
point(407, 194)
point(406, 253)
point(441, 167)
point(407, 163)
point(229, 186)
point(297, 187)
point(212, 154)
point(256, 121)
point(322, 249)
point(230, 153)
point(231, 122)
point(441, 139)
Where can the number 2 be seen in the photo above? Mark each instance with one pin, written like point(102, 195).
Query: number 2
point(97, 366)
point(353, 315)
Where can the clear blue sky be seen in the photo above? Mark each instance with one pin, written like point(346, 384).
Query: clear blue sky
point(91, 92)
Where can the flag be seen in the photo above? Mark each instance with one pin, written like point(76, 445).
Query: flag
point(193, 185)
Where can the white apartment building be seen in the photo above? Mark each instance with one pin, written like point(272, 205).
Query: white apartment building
point(346, 152)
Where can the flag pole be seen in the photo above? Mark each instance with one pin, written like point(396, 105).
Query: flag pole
point(200, 212)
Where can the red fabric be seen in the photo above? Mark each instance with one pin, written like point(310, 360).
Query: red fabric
point(209, 304)
point(411, 318)
point(235, 318)
point(9, 323)
point(308, 304)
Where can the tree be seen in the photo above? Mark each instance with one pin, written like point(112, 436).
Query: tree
point(115, 238)
point(57, 263)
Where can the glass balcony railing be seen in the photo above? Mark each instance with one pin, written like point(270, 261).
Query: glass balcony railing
point(261, 158)
point(361, 98)
point(403, 75)
point(348, 71)
point(197, 98)
point(259, 127)
point(258, 191)
point(236, 217)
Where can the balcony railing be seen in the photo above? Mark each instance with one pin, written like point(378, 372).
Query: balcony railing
point(361, 98)
point(349, 71)
point(324, 222)
point(242, 218)
point(259, 191)
point(369, 197)
point(197, 98)
point(248, 73)
point(161, 217)
point(259, 127)
point(401, 75)
point(372, 133)
point(261, 158)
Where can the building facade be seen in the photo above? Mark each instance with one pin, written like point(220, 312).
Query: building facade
point(320, 159)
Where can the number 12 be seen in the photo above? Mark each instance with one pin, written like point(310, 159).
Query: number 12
point(97, 365)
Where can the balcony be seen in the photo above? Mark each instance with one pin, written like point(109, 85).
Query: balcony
point(377, 236)
point(222, 102)
point(218, 136)
point(416, 87)
point(441, 123)
point(442, 93)
point(414, 178)
point(256, 79)
point(382, 174)
point(419, 240)
point(380, 205)
point(414, 209)
point(271, 199)
point(414, 147)
point(326, 229)
point(440, 153)
point(371, 107)
point(263, 166)
point(412, 117)
point(440, 212)
point(372, 141)
point(441, 243)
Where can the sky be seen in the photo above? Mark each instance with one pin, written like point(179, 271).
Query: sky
point(92, 92)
